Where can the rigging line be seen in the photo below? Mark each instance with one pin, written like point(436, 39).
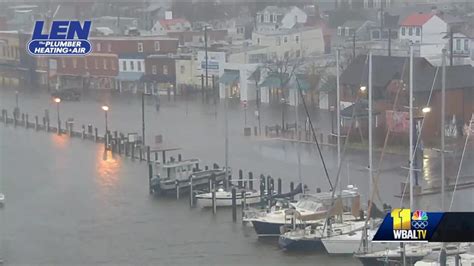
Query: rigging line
point(418, 136)
point(462, 159)
point(314, 134)
point(346, 142)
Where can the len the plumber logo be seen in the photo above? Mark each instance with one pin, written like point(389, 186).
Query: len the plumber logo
point(64, 38)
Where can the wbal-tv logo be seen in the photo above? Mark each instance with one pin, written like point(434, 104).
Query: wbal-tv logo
point(64, 38)
point(408, 226)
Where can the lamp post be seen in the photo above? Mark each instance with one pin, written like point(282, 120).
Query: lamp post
point(57, 100)
point(106, 110)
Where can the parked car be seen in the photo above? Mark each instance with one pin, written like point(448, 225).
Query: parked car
point(67, 94)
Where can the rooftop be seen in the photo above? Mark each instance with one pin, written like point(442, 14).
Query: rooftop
point(136, 38)
point(417, 19)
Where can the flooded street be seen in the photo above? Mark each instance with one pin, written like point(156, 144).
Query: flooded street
point(69, 203)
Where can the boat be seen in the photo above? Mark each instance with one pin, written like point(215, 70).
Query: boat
point(224, 198)
point(414, 252)
point(174, 175)
point(2, 199)
point(311, 209)
point(348, 244)
point(457, 259)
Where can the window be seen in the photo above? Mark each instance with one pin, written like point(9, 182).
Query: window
point(267, 18)
point(418, 31)
point(182, 69)
point(132, 65)
point(98, 46)
point(458, 44)
point(139, 66)
point(403, 31)
point(124, 65)
point(271, 18)
point(375, 34)
point(297, 39)
point(74, 62)
point(109, 47)
point(278, 41)
point(296, 19)
point(104, 62)
point(275, 18)
point(112, 64)
point(157, 45)
point(96, 63)
point(466, 45)
point(140, 47)
point(258, 41)
point(339, 31)
point(410, 31)
point(285, 39)
point(153, 69)
point(165, 70)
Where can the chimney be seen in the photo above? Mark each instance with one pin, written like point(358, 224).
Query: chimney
point(168, 15)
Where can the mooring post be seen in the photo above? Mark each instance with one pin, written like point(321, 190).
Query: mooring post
point(250, 180)
point(14, 119)
point(179, 157)
point(133, 151)
point(127, 148)
point(191, 191)
point(268, 184)
point(243, 201)
point(262, 188)
point(140, 151)
point(5, 116)
point(279, 185)
point(47, 126)
point(26, 121)
point(119, 143)
point(36, 122)
point(292, 187)
point(148, 154)
point(206, 167)
point(241, 176)
point(95, 134)
point(177, 188)
point(83, 134)
point(214, 203)
point(150, 176)
point(234, 205)
point(156, 156)
point(269, 189)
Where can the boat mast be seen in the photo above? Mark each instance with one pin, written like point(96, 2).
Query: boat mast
point(338, 112)
point(443, 110)
point(298, 152)
point(370, 125)
point(226, 131)
point(410, 100)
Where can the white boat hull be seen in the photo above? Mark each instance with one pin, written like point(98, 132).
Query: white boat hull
point(225, 199)
point(345, 244)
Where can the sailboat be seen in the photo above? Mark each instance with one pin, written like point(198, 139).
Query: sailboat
point(223, 198)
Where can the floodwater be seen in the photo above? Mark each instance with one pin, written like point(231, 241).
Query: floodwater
point(69, 203)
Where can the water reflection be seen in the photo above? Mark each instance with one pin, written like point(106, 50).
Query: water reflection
point(59, 141)
point(107, 167)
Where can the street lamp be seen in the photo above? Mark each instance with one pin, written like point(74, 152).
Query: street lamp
point(106, 109)
point(363, 88)
point(57, 100)
point(426, 109)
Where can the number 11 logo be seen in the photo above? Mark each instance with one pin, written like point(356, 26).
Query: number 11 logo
point(401, 219)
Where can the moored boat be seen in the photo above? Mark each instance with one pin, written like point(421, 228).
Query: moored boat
point(224, 198)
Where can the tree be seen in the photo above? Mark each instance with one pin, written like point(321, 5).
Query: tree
point(282, 70)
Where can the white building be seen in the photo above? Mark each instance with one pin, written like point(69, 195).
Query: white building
point(463, 47)
point(274, 18)
point(164, 26)
point(427, 31)
point(295, 42)
point(236, 80)
point(187, 74)
point(131, 70)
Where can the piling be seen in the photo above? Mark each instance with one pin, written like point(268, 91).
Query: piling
point(243, 202)
point(250, 180)
point(119, 146)
point(156, 156)
point(140, 152)
point(262, 189)
point(36, 122)
point(5, 116)
point(269, 189)
point(214, 205)
point(127, 148)
point(95, 134)
point(234, 205)
point(206, 167)
point(14, 119)
point(191, 191)
point(292, 187)
point(177, 189)
point(241, 176)
point(179, 158)
point(133, 151)
point(148, 154)
point(279, 185)
point(150, 176)
point(47, 125)
point(26, 121)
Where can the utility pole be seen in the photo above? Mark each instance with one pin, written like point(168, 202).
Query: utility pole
point(370, 126)
point(389, 42)
point(143, 118)
point(354, 45)
point(451, 44)
point(338, 110)
point(205, 47)
point(410, 100)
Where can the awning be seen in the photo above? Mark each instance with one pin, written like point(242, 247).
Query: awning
point(158, 78)
point(229, 77)
point(361, 110)
point(274, 80)
point(129, 76)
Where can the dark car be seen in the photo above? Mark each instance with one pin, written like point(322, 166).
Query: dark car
point(67, 94)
